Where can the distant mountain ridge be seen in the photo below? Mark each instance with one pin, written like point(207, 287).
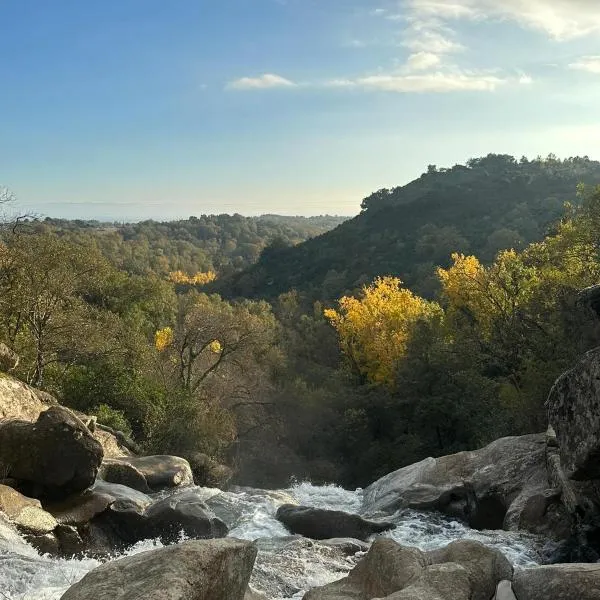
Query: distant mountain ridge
point(221, 243)
point(489, 204)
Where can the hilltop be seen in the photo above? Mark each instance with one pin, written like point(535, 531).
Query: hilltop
point(489, 204)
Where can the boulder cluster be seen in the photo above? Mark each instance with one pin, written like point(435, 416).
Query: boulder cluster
point(71, 487)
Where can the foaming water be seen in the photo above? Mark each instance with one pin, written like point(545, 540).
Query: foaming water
point(431, 531)
point(286, 566)
point(329, 497)
point(25, 575)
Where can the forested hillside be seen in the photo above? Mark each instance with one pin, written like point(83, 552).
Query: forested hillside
point(220, 243)
point(122, 322)
point(487, 205)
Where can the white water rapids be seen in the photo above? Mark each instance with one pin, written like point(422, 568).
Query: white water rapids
point(286, 566)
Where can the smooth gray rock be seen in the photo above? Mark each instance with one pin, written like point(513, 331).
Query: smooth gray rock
point(558, 582)
point(488, 488)
point(320, 524)
point(121, 492)
point(197, 570)
point(573, 408)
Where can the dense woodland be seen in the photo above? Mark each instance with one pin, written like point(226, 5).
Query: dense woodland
point(435, 321)
point(487, 205)
point(221, 243)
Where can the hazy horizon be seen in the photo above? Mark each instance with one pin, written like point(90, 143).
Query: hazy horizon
point(137, 109)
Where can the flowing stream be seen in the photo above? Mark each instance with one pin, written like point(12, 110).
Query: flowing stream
point(286, 566)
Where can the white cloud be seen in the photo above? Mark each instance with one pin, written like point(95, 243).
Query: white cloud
point(263, 82)
point(422, 61)
point(560, 19)
point(436, 82)
point(419, 39)
point(587, 63)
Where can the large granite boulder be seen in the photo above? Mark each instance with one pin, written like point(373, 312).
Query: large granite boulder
point(320, 524)
point(486, 567)
point(196, 570)
point(503, 485)
point(463, 570)
point(387, 568)
point(558, 582)
point(160, 472)
point(573, 408)
point(126, 522)
point(54, 457)
point(23, 402)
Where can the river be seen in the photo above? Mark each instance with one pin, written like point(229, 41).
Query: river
point(286, 565)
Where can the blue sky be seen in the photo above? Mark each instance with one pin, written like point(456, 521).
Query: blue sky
point(133, 109)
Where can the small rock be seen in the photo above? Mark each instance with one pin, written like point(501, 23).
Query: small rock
point(349, 546)
point(123, 473)
point(504, 591)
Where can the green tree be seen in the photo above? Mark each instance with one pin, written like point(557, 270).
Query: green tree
point(45, 316)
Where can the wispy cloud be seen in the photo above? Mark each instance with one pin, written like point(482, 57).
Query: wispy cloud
point(262, 82)
point(434, 82)
point(422, 61)
point(587, 63)
point(560, 19)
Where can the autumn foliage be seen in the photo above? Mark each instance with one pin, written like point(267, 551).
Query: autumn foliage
point(199, 278)
point(374, 330)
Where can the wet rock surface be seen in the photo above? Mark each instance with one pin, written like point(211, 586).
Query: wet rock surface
point(197, 570)
point(320, 524)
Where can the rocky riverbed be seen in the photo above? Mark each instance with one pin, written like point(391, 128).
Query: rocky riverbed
point(286, 566)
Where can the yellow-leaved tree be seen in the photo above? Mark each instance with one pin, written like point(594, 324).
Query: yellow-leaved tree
point(374, 330)
point(200, 278)
point(495, 298)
